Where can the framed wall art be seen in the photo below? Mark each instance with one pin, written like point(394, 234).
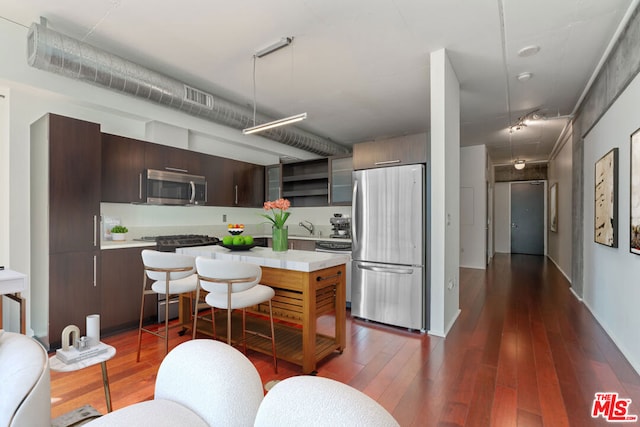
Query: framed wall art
point(553, 208)
point(606, 200)
point(634, 204)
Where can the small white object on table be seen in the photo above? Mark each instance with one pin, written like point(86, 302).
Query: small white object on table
point(59, 366)
point(12, 284)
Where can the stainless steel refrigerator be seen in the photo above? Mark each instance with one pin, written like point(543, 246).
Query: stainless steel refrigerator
point(389, 235)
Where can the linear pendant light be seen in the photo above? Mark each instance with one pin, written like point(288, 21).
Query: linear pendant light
point(275, 123)
point(285, 41)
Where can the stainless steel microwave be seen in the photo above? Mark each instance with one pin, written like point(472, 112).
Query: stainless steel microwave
point(173, 188)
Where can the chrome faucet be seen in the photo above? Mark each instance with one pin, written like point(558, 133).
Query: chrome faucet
point(309, 227)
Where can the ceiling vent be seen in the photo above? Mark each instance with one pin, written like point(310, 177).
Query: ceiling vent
point(51, 51)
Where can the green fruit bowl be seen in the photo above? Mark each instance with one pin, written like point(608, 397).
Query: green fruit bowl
point(238, 247)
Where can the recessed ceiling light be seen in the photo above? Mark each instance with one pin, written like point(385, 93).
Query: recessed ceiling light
point(528, 51)
point(524, 77)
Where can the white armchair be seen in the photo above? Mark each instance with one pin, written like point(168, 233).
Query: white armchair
point(199, 383)
point(315, 401)
point(25, 384)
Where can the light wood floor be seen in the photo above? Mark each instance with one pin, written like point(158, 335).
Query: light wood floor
point(523, 352)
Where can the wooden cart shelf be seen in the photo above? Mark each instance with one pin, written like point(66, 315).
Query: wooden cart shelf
point(301, 298)
point(288, 338)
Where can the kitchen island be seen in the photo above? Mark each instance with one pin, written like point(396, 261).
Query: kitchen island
point(308, 285)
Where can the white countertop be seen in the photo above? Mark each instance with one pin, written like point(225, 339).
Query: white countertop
point(292, 259)
point(123, 244)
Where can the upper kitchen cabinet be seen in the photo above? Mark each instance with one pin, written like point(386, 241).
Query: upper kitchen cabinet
point(273, 184)
point(122, 167)
point(233, 183)
point(403, 150)
point(248, 184)
point(306, 183)
point(173, 159)
point(341, 168)
point(67, 157)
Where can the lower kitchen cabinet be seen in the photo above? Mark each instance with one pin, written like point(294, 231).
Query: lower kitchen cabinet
point(74, 291)
point(122, 273)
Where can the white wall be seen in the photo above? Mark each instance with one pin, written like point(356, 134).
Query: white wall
point(473, 207)
point(611, 289)
point(502, 217)
point(4, 177)
point(559, 243)
point(445, 194)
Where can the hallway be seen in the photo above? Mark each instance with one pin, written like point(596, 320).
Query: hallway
point(523, 352)
point(532, 353)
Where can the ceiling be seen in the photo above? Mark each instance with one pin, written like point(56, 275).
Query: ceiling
point(360, 68)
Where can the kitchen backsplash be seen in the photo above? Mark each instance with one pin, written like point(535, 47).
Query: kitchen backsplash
point(147, 220)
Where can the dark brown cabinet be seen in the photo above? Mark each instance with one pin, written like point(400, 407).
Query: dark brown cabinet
point(123, 163)
point(74, 291)
point(65, 202)
point(248, 184)
point(403, 150)
point(74, 184)
point(234, 183)
point(122, 273)
point(173, 159)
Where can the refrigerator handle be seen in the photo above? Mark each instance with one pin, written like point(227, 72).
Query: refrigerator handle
point(354, 226)
point(386, 270)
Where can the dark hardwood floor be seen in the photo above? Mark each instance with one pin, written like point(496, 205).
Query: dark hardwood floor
point(523, 352)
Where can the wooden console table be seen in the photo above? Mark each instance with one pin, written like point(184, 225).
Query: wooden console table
point(301, 298)
point(12, 284)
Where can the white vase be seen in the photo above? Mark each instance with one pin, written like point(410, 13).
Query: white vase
point(117, 236)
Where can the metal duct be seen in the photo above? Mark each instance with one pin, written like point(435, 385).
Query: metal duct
point(51, 51)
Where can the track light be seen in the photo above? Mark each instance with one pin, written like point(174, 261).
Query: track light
point(519, 164)
point(285, 41)
point(275, 123)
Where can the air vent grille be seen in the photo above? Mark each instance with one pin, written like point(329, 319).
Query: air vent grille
point(199, 97)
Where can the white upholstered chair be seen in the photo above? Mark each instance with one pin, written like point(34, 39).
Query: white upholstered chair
point(314, 401)
point(171, 274)
point(25, 385)
point(200, 383)
point(233, 285)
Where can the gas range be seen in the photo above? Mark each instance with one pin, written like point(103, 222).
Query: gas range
point(171, 243)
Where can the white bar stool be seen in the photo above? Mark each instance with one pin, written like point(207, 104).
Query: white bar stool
point(173, 274)
point(233, 285)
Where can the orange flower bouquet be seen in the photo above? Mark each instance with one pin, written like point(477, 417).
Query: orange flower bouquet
point(278, 215)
